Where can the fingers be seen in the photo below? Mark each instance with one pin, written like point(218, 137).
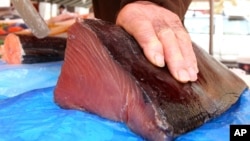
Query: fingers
point(152, 47)
point(179, 53)
point(186, 48)
point(170, 45)
point(162, 37)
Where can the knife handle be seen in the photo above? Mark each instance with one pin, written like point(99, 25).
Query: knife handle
point(31, 17)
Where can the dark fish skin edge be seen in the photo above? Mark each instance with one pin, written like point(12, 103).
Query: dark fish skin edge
point(180, 107)
point(31, 59)
point(47, 49)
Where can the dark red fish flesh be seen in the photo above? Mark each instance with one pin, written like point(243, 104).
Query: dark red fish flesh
point(106, 73)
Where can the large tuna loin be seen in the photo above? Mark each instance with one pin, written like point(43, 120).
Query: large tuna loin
point(106, 73)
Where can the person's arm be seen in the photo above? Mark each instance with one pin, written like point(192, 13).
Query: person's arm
point(108, 9)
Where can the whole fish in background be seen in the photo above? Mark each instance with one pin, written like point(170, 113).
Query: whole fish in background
point(28, 49)
point(106, 73)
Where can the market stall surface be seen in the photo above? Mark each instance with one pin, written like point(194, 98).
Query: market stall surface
point(28, 112)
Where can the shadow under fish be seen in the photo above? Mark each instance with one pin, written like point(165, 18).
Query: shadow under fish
point(106, 73)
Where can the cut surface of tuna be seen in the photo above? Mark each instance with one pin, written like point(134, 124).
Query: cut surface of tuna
point(106, 73)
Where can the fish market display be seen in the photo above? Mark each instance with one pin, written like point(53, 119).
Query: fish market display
point(106, 73)
point(25, 49)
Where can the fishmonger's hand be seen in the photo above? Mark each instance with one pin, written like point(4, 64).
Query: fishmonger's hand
point(162, 36)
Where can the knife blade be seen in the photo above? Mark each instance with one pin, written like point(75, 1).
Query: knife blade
point(31, 17)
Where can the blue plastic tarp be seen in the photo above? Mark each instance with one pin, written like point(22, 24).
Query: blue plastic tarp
point(16, 79)
point(28, 112)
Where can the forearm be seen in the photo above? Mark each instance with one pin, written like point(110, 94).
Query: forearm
point(106, 9)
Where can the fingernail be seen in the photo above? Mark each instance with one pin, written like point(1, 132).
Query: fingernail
point(183, 75)
point(192, 73)
point(196, 69)
point(159, 60)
